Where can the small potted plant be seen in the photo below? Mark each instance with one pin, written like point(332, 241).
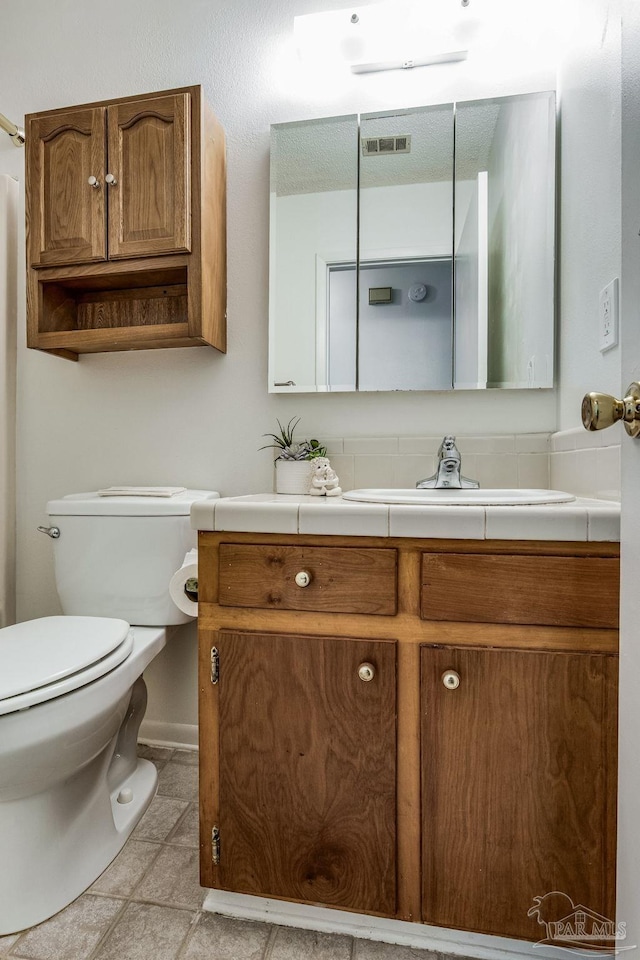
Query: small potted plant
point(294, 460)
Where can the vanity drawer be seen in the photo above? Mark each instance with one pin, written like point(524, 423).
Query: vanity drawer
point(341, 579)
point(553, 591)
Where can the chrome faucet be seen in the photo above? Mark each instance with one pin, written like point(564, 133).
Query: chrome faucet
point(448, 473)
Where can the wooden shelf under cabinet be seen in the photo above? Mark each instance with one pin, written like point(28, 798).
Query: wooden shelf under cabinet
point(139, 263)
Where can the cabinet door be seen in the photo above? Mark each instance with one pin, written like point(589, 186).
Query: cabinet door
point(149, 157)
point(518, 784)
point(65, 214)
point(307, 770)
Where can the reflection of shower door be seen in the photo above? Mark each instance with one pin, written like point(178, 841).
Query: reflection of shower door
point(403, 344)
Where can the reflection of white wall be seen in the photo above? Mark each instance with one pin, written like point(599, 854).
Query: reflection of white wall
point(409, 220)
point(470, 325)
point(304, 227)
point(521, 208)
point(414, 219)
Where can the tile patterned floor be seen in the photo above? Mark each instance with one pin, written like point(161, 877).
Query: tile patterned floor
point(147, 903)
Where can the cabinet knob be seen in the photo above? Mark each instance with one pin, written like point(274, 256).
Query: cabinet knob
point(599, 410)
point(451, 679)
point(93, 182)
point(111, 180)
point(303, 578)
point(366, 672)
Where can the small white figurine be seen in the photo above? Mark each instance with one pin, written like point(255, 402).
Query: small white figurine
point(324, 479)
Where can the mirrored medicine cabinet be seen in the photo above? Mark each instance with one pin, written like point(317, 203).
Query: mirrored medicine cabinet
point(414, 249)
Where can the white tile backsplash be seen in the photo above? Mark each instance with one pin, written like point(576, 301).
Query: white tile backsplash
point(584, 463)
point(373, 471)
point(371, 445)
point(533, 470)
point(533, 443)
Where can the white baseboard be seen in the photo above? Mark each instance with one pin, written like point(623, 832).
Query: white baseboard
point(453, 942)
point(169, 734)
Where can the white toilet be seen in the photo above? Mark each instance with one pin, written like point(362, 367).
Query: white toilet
point(72, 698)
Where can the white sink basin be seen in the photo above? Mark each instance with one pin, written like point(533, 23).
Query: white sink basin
point(459, 497)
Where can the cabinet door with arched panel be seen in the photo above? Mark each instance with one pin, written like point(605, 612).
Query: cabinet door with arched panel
point(66, 166)
point(148, 181)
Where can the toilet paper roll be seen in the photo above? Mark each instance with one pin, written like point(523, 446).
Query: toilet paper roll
point(178, 582)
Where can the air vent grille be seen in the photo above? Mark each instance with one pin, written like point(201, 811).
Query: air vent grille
point(383, 146)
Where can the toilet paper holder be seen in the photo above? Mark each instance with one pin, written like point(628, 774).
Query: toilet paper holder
point(191, 588)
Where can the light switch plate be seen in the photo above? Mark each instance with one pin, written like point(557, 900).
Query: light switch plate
point(608, 310)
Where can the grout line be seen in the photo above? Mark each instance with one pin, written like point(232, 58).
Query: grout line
point(174, 828)
point(189, 935)
point(273, 933)
point(109, 930)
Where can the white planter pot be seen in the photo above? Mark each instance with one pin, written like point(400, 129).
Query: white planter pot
point(293, 476)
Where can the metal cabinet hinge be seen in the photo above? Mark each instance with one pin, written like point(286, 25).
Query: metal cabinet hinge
point(215, 846)
point(215, 665)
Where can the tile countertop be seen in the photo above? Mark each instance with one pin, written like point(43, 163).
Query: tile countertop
point(580, 519)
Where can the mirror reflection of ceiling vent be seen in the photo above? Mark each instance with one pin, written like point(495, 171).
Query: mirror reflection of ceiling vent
point(382, 146)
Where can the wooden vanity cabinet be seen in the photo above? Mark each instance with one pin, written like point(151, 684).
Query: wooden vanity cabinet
point(407, 795)
point(126, 229)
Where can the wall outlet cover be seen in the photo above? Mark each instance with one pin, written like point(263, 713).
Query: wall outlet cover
point(608, 311)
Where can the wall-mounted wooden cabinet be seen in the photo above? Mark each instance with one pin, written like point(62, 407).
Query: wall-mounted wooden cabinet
point(420, 749)
point(126, 228)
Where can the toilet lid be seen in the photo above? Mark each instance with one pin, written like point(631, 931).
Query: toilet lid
point(57, 652)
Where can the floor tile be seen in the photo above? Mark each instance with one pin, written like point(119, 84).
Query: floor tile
point(72, 934)
point(292, 944)
point(7, 941)
point(147, 932)
point(173, 879)
point(221, 938)
point(178, 780)
point(374, 950)
point(149, 752)
point(160, 819)
point(186, 832)
point(186, 756)
point(128, 868)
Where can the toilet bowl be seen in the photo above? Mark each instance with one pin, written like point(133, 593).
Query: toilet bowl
point(72, 698)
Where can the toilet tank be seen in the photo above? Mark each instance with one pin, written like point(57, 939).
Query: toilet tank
point(115, 556)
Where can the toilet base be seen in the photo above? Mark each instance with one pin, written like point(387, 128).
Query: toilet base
point(91, 838)
point(72, 788)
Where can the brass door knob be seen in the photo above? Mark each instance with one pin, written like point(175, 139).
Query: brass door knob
point(599, 410)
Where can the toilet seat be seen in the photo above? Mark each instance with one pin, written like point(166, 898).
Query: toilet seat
point(46, 658)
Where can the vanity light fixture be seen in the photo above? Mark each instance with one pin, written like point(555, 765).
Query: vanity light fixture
point(382, 36)
point(16, 133)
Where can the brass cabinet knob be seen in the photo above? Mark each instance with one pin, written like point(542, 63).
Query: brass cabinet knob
point(303, 578)
point(451, 679)
point(599, 410)
point(366, 672)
